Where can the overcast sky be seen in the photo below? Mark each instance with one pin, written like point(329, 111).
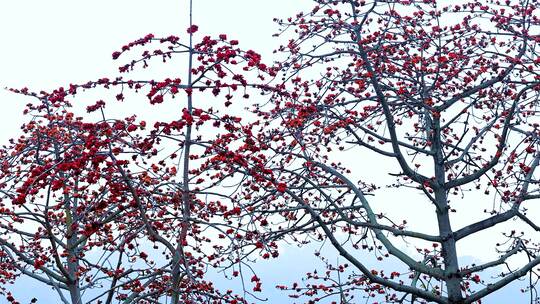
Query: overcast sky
point(46, 44)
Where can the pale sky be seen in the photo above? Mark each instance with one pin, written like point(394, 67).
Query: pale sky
point(46, 44)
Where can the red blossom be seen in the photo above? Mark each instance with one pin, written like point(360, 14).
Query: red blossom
point(192, 29)
point(281, 187)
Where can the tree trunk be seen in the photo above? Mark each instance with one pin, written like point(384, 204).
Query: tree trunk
point(75, 292)
point(449, 253)
point(72, 258)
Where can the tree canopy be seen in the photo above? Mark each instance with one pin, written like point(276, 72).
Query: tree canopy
point(108, 206)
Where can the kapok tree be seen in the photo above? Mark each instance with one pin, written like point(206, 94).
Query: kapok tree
point(125, 209)
point(448, 92)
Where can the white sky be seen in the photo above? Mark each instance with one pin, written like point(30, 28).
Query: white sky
point(46, 44)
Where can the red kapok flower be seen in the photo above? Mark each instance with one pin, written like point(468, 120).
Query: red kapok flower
point(192, 29)
point(281, 187)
